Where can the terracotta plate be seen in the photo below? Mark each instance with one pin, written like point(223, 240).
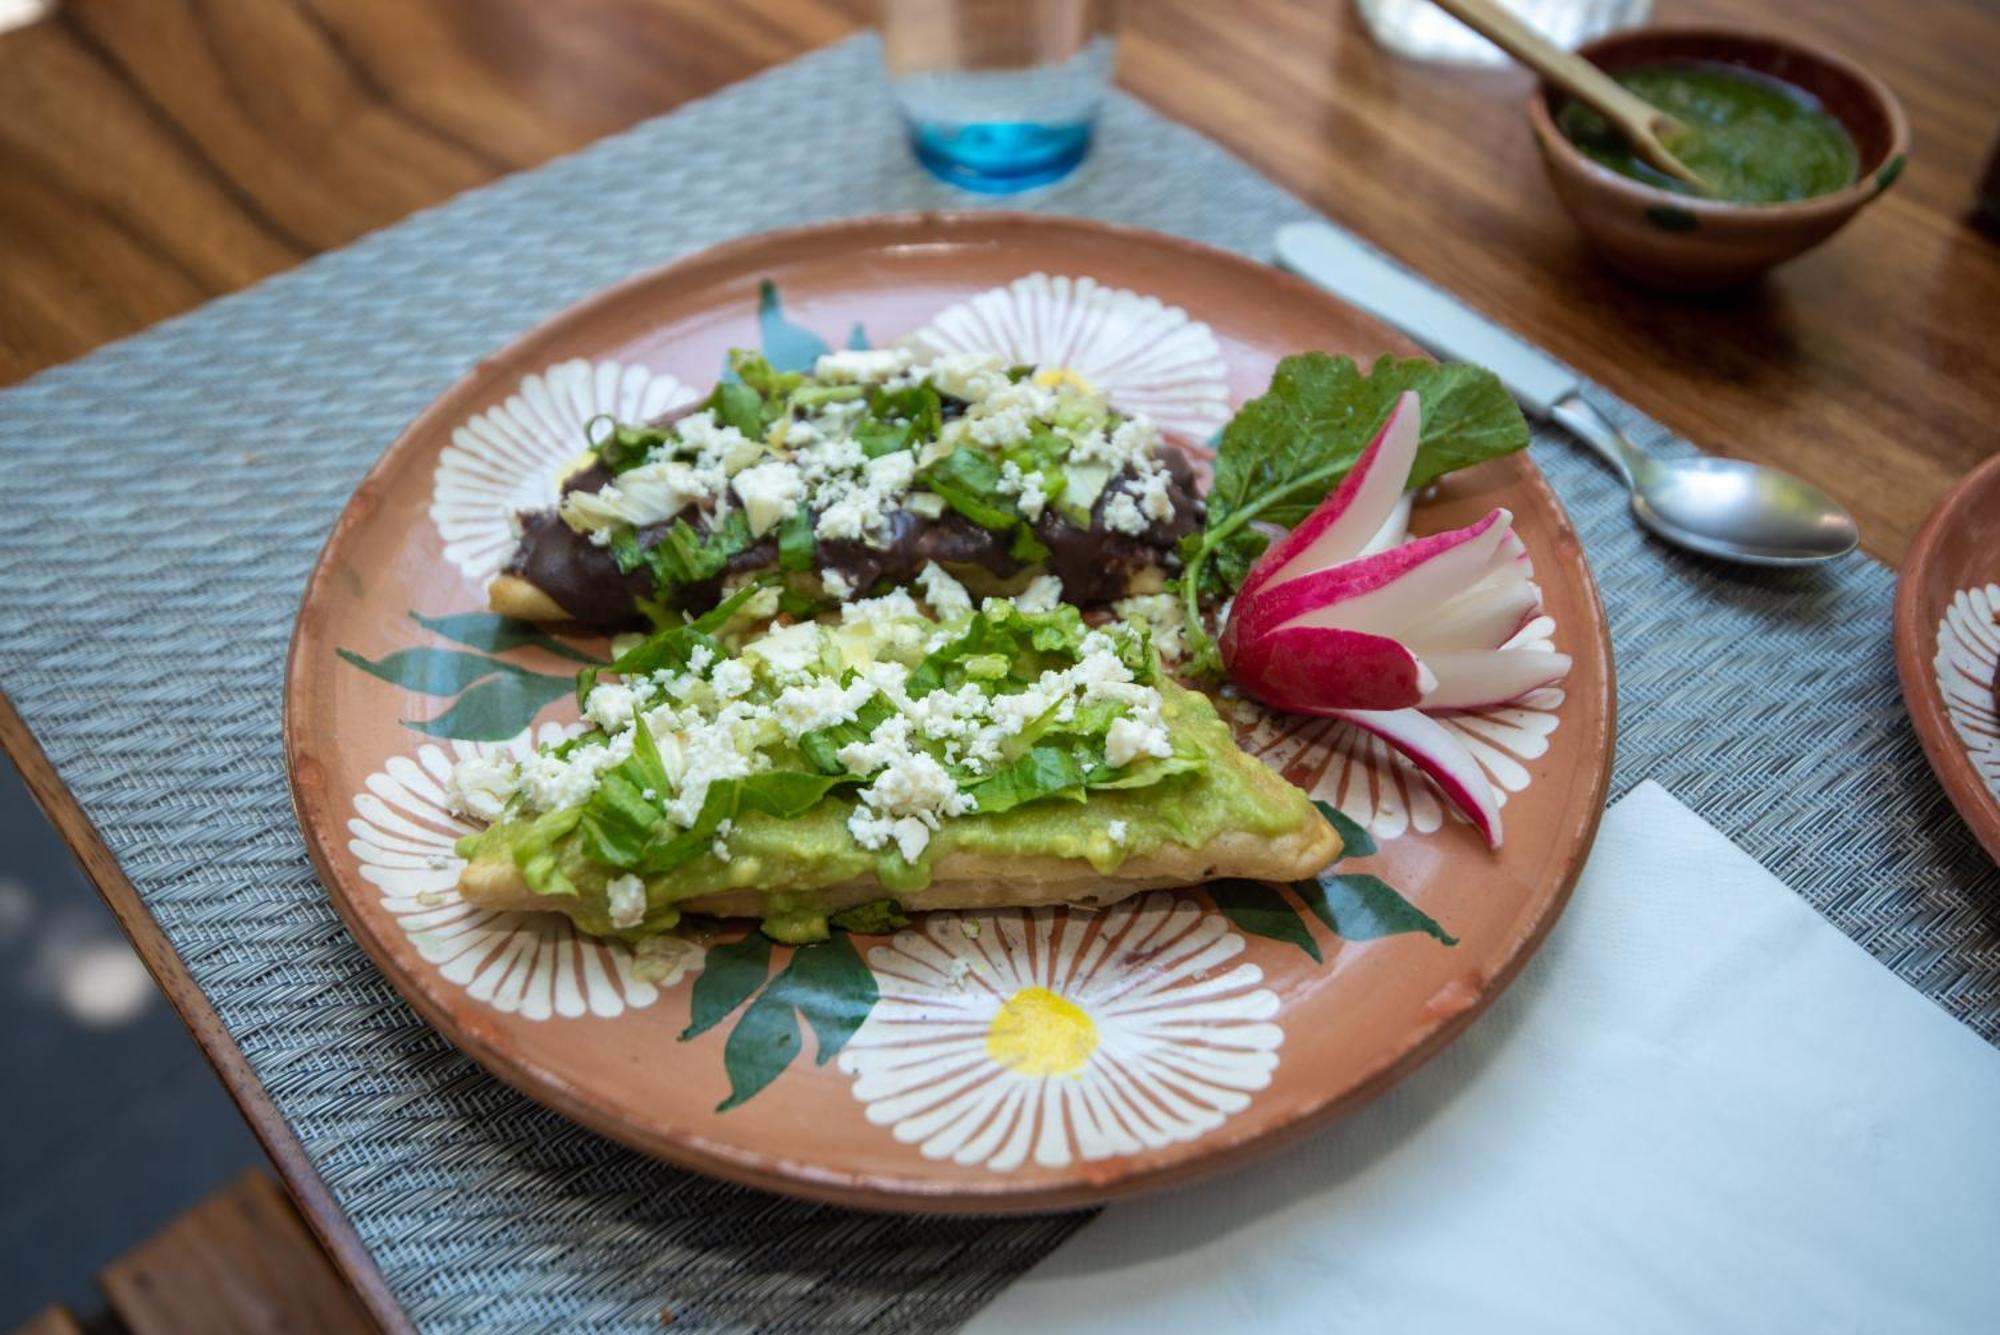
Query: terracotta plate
point(1948, 646)
point(1008, 1061)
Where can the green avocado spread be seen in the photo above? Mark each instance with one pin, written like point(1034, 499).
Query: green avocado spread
point(1755, 139)
point(819, 755)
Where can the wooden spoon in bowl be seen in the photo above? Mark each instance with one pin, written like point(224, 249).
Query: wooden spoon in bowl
point(1648, 129)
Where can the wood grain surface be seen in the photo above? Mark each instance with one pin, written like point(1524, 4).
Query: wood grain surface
point(238, 1263)
point(155, 154)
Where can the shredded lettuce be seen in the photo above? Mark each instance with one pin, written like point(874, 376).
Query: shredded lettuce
point(672, 647)
point(1043, 772)
point(969, 481)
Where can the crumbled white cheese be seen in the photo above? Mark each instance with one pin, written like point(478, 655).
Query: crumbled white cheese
point(819, 703)
point(1128, 739)
point(836, 584)
point(731, 679)
point(1008, 415)
point(947, 597)
point(895, 605)
point(1043, 594)
point(969, 928)
point(721, 749)
point(970, 376)
point(890, 474)
point(1155, 501)
point(789, 650)
point(871, 830)
point(1122, 514)
point(846, 519)
point(718, 449)
point(1028, 489)
point(856, 497)
point(625, 900)
point(1135, 438)
point(893, 629)
point(553, 783)
point(863, 366)
point(610, 705)
point(909, 795)
point(1115, 830)
point(769, 492)
point(794, 433)
point(481, 785)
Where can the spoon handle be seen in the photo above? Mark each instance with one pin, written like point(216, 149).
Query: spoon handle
point(1638, 120)
point(1574, 414)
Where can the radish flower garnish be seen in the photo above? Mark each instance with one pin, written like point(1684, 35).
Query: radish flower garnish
point(1338, 619)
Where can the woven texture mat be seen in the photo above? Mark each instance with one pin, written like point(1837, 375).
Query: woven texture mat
point(172, 491)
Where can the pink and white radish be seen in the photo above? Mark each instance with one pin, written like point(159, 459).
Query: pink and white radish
point(1346, 617)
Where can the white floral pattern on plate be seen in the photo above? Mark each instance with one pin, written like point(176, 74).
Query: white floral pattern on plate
point(1968, 650)
point(1339, 763)
point(512, 457)
point(1062, 1035)
point(1149, 357)
point(533, 964)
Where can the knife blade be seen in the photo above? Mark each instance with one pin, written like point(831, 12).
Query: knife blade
point(1357, 275)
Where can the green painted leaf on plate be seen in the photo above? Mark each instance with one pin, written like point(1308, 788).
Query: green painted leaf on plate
point(787, 346)
point(760, 1047)
point(832, 988)
point(442, 672)
point(1262, 910)
point(1363, 908)
point(496, 709)
point(1355, 840)
point(731, 974)
point(496, 634)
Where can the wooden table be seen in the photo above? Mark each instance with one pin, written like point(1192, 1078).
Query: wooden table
point(157, 153)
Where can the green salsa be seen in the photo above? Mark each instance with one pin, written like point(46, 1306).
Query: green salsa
point(1757, 140)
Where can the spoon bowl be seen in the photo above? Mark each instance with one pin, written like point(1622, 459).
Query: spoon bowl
point(1740, 511)
point(1730, 509)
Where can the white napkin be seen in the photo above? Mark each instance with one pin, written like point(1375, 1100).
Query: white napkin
point(1700, 1108)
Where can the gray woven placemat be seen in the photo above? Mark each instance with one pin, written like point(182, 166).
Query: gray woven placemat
point(149, 578)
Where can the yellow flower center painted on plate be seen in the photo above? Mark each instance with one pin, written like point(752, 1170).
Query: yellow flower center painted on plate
point(1036, 1033)
point(1056, 377)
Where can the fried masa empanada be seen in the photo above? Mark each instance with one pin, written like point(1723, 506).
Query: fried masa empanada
point(854, 478)
point(999, 757)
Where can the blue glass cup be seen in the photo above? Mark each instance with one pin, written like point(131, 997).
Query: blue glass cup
point(1000, 95)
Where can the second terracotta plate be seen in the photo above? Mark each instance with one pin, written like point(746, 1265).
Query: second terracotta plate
point(1001, 1061)
point(1948, 647)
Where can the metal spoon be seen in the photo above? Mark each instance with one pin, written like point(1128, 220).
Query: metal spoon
point(1726, 508)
